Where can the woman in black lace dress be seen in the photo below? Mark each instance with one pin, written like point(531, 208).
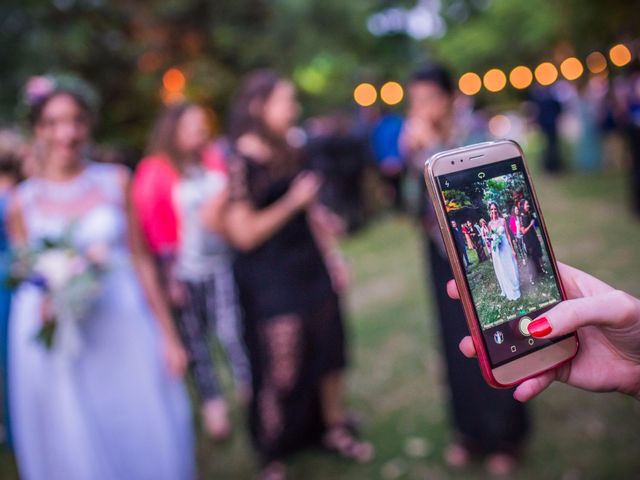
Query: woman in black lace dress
point(288, 272)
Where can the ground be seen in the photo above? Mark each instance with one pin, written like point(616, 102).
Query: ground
point(395, 380)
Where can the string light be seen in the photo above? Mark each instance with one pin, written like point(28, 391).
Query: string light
point(571, 68)
point(391, 93)
point(521, 77)
point(619, 55)
point(365, 94)
point(596, 62)
point(546, 73)
point(174, 80)
point(470, 83)
point(494, 80)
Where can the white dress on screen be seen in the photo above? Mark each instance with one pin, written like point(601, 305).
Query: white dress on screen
point(504, 262)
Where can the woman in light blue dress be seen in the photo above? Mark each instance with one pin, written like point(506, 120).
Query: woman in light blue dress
point(503, 255)
point(111, 404)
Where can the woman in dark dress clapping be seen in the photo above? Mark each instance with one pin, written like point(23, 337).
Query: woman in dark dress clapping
point(289, 272)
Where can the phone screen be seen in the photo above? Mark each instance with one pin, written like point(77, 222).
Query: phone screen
point(503, 248)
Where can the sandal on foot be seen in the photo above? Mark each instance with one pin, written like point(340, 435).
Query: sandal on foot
point(345, 444)
point(273, 471)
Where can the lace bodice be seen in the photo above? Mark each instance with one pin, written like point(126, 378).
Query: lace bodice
point(89, 208)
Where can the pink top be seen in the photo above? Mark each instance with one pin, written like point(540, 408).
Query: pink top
point(152, 195)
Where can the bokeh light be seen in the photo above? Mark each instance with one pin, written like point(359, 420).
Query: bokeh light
point(391, 93)
point(571, 68)
point(494, 80)
point(521, 77)
point(470, 83)
point(173, 80)
point(596, 62)
point(365, 94)
point(546, 73)
point(499, 125)
point(619, 55)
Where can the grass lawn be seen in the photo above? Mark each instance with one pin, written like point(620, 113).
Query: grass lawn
point(492, 307)
point(395, 381)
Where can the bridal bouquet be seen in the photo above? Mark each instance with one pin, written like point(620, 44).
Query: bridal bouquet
point(71, 282)
point(496, 239)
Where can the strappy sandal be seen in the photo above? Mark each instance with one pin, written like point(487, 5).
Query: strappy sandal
point(273, 471)
point(341, 441)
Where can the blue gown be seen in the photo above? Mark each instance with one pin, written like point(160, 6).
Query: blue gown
point(106, 409)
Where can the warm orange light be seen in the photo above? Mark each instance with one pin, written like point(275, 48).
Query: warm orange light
point(571, 68)
point(169, 97)
point(521, 77)
point(391, 93)
point(173, 80)
point(470, 83)
point(494, 80)
point(365, 94)
point(546, 73)
point(619, 55)
point(596, 62)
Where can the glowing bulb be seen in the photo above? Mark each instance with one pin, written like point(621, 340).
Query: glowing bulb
point(173, 80)
point(521, 77)
point(596, 62)
point(494, 80)
point(365, 94)
point(571, 68)
point(391, 93)
point(546, 73)
point(470, 83)
point(619, 55)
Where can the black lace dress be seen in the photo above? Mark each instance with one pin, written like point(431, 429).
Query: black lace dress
point(293, 325)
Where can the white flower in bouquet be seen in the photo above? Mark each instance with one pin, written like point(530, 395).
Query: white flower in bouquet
point(71, 281)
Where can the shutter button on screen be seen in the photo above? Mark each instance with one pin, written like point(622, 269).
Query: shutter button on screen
point(524, 323)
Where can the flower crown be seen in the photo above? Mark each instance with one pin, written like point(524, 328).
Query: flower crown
point(38, 88)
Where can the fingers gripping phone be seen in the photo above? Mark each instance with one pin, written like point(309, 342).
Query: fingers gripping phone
point(500, 254)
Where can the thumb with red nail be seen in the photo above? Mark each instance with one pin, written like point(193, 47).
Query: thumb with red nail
point(607, 322)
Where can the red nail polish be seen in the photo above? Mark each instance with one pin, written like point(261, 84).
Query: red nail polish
point(539, 328)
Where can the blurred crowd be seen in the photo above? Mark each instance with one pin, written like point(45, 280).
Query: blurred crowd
point(234, 240)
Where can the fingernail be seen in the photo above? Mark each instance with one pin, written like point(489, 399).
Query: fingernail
point(539, 328)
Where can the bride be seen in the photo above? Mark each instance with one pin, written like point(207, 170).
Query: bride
point(503, 255)
point(114, 406)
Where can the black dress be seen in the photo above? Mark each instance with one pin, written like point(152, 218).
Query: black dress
point(292, 318)
point(531, 241)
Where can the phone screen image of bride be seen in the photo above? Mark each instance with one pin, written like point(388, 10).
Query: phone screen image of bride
point(504, 251)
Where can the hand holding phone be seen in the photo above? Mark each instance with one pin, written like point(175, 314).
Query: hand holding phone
point(504, 279)
point(608, 324)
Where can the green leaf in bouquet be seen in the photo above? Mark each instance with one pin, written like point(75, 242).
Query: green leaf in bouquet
point(47, 333)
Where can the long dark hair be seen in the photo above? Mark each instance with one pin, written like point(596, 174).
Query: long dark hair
point(162, 140)
point(246, 113)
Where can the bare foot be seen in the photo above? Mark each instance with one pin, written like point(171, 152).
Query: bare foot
point(215, 419)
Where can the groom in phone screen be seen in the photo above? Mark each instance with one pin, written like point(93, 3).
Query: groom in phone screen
point(458, 235)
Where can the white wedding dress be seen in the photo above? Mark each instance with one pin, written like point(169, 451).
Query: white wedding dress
point(504, 263)
point(105, 408)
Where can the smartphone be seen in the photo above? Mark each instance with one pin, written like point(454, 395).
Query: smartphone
point(501, 257)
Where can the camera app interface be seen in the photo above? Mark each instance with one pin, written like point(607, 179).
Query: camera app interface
point(500, 243)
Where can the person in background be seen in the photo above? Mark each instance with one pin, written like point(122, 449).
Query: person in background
point(531, 241)
point(548, 114)
point(476, 240)
point(290, 275)
point(13, 149)
point(385, 142)
point(485, 233)
point(178, 191)
point(460, 242)
point(106, 399)
point(514, 226)
point(485, 421)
